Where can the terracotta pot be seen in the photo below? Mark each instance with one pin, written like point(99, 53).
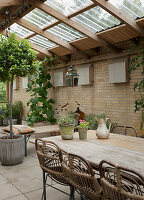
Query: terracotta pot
point(102, 131)
point(67, 132)
point(82, 133)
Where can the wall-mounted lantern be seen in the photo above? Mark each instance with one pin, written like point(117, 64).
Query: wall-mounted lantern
point(71, 76)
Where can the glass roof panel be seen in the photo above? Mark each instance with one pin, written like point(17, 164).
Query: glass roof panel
point(133, 8)
point(20, 30)
point(39, 18)
point(68, 7)
point(42, 42)
point(65, 32)
point(97, 19)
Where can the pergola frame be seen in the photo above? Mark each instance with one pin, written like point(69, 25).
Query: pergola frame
point(70, 47)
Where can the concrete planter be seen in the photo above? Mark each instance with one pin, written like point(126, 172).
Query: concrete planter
point(12, 151)
point(14, 122)
point(82, 133)
point(67, 132)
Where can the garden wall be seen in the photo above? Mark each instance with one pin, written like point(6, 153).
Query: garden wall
point(116, 100)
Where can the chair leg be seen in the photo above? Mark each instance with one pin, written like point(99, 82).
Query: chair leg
point(44, 186)
point(72, 191)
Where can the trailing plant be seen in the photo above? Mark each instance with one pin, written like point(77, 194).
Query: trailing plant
point(137, 62)
point(41, 108)
point(17, 59)
point(66, 120)
point(101, 116)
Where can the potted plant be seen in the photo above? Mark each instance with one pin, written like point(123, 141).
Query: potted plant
point(102, 131)
point(82, 129)
point(66, 125)
point(17, 59)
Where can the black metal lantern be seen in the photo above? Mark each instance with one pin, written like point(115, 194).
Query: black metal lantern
point(71, 76)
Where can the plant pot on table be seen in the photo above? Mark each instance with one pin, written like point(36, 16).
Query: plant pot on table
point(82, 133)
point(67, 132)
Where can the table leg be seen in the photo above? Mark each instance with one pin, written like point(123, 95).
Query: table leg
point(26, 139)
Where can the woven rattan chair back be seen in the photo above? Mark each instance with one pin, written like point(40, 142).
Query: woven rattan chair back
point(124, 130)
point(119, 183)
point(79, 173)
point(48, 155)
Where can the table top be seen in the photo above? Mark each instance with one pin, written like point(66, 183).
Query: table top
point(123, 150)
point(46, 129)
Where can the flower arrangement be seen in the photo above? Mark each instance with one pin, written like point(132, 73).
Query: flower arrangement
point(83, 124)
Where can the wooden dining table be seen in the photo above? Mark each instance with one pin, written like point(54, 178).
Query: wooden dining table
point(123, 150)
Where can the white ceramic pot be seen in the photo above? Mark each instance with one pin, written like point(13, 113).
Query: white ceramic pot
point(102, 131)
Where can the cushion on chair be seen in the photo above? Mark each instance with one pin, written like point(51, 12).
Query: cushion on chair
point(19, 129)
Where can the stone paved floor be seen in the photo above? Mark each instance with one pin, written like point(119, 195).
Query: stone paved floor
point(24, 181)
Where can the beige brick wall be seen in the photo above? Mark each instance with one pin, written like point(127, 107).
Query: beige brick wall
point(116, 100)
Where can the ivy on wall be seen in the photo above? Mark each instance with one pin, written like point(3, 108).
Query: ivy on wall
point(41, 108)
point(137, 62)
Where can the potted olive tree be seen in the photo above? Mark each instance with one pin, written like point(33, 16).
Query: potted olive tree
point(66, 125)
point(17, 59)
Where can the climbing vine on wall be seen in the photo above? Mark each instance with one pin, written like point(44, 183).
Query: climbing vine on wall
point(41, 108)
point(137, 62)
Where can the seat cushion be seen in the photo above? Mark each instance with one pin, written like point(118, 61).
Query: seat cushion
point(19, 129)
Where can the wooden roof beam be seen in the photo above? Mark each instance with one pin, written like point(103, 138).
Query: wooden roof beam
point(119, 15)
point(69, 16)
point(50, 37)
point(4, 3)
point(73, 24)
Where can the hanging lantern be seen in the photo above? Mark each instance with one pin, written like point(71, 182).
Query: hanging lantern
point(72, 76)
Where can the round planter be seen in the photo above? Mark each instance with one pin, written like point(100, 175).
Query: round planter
point(102, 132)
point(67, 132)
point(12, 151)
point(82, 133)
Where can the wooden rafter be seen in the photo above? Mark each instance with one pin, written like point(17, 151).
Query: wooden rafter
point(4, 3)
point(34, 46)
point(119, 15)
point(73, 24)
point(69, 16)
point(50, 37)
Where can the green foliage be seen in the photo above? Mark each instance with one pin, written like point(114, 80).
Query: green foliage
point(101, 116)
point(16, 58)
point(17, 109)
point(83, 124)
point(137, 62)
point(73, 115)
point(92, 122)
point(41, 108)
point(66, 120)
point(2, 92)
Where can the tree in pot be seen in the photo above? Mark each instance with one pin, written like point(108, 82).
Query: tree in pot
point(66, 125)
point(17, 59)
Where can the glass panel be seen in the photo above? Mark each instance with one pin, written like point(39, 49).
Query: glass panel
point(97, 19)
point(65, 32)
point(39, 18)
point(20, 30)
point(42, 42)
point(68, 7)
point(133, 8)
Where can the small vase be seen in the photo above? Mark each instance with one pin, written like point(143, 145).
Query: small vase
point(82, 133)
point(102, 131)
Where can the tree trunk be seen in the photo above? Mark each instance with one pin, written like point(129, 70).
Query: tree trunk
point(10, 106)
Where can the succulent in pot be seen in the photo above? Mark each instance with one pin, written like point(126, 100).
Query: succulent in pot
point(66, 125)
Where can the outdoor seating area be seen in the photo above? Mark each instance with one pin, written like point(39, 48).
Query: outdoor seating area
point(71, 100)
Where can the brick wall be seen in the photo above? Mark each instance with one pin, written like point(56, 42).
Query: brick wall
point(116, 100)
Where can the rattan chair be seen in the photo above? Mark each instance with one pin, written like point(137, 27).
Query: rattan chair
point(48, 155)
point(119, 183)
point(124, 130)
point(79, 173)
